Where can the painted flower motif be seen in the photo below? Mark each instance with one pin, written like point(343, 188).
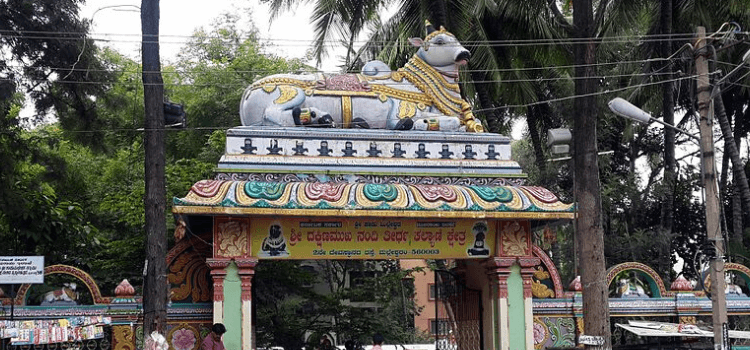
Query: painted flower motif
point(183, 339)
point(540, 333)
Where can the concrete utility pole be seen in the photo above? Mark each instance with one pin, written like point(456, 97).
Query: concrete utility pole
point(713, 229)
point(155, 279)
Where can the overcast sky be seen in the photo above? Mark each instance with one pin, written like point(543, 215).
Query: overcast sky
point(119, 22)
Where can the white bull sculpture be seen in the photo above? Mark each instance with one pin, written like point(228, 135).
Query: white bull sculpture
point(423, 95)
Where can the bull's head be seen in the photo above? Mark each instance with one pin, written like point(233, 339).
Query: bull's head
point(441, 50)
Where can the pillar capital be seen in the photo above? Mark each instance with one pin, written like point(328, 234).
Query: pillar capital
point(218, 273)
point(504, 263)
point(246, 270)
point(218, 266)
point(498, 270)
point(246, 266)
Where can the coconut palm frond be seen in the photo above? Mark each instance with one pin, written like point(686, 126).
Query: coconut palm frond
point(327, 23)
point(278, 6)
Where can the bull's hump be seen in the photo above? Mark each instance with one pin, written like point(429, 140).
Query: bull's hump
point(303, 77)
point(302, 80)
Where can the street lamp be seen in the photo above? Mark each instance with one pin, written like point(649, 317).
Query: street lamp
point(625, 109)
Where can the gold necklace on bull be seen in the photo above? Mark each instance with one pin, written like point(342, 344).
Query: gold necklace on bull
point(445, 96)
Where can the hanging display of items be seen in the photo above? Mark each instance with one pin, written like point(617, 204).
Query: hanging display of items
point(54, 331)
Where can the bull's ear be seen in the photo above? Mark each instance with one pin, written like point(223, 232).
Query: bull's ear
point(416, 42)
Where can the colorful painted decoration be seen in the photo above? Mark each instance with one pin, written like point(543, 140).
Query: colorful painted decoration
point(537, 201)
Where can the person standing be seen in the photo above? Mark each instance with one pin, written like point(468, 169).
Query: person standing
point(377, 342)
point(213, 340)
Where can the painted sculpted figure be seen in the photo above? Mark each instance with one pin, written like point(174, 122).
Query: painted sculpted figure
point(67, 294)
point(422, 95)
point(629, 288)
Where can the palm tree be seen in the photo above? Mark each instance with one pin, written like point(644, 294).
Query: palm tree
point(335, 20)
point(488, 29)
point(682, 16)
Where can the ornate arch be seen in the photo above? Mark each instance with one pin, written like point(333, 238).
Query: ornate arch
point(84, 277)
point(654, 280)
point(741, 270)
point(550, 266)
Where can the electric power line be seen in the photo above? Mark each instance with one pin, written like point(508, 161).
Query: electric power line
point(182, 39)
point(394, 84)
point(499, 70)
point(605, 92)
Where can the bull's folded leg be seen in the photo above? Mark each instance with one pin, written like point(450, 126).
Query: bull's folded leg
point(295, 115)
point(404, 124)
point(278, 117)
point(359, 123)
point(326, 121)
point(434, 122)
point(303, 116)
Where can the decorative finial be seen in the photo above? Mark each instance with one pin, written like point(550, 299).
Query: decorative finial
point(124, 290)
point(681, 284)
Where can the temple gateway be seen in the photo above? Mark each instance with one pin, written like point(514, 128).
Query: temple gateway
point(314, 174)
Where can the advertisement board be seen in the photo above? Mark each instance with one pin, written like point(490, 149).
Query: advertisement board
point(371, 238)
point(21, 269)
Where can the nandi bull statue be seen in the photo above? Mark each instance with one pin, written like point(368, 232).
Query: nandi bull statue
point(423, 95)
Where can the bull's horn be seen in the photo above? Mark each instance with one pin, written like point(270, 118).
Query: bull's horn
point(428, 26)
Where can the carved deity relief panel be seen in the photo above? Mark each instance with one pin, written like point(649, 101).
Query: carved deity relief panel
point(515, 238)
point(231, 237)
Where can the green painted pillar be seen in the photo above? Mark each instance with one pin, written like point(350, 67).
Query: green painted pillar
point(232, 310)
point(516, 309)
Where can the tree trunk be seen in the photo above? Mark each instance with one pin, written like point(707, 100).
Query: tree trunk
point(349, 50)
point(737, 229)
point(439, 14)
point(155, 281)
point(667, 212)
point(491, 115)
point(589, 231)
point(532, 122)
point(730, 147)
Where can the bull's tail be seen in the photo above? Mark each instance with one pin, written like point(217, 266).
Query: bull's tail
point(290, 97)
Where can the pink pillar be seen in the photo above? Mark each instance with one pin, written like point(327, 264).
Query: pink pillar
point(218, 273)
point(246, 270)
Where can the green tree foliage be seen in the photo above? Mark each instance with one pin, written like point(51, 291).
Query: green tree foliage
point(349, 298)
point(39, 40)
point(78, 184)
point(212, 72)
point(48, 56)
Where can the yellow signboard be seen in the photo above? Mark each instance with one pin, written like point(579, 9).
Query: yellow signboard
point(374, 238)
